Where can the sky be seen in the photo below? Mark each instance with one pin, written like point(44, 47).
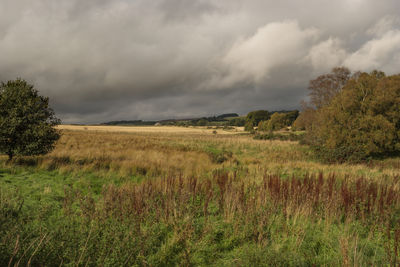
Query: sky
point(101, 60)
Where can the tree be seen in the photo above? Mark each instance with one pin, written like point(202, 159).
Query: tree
point(239, 121)
point(322, 90)
point(291, 117)
point(361, 121)
point(326, 86)
point(253, 118)
point(26, 120)
point(278, 120)
point(305, 118)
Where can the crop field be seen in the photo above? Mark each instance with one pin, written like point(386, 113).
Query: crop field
point(180, 196)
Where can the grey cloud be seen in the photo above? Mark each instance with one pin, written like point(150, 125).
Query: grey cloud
point(99, 60)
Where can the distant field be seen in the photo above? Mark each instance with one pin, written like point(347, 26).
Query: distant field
point(153, 129)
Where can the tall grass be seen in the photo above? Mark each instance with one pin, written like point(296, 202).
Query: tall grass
point(172, 221)
point(152, 199)
point(155, 154)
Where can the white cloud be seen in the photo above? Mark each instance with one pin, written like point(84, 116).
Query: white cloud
point(381, 53)
point(326, 55)
point(273, 45)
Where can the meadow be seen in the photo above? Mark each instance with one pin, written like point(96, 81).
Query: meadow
point(177, 196)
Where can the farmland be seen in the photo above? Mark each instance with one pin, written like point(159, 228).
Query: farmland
point(180, 196)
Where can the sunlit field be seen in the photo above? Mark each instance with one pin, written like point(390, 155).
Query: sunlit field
point(176, 196)
point(153, 129)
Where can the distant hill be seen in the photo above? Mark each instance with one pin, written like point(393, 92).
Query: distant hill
point(129, 123)
point(222, 117)
point(228, 115)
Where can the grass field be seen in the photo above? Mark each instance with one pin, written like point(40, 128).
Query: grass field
point(174, 196)
point(153, 129)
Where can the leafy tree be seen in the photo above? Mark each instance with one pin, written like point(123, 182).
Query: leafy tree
point(326, 86)
point(362, 121)
point(278, 121)
point(253, 118)
point(322, 90)
point(26, 120)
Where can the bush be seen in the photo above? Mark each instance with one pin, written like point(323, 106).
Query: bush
point(361, 122)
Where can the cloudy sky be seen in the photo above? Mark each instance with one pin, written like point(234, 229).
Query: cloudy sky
point(101, 60)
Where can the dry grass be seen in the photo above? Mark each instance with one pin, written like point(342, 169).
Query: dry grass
point(152, 129)
point(194, 153)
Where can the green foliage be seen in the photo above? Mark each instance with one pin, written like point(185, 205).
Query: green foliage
point(26, 120)
point(278, 121)
point(239, 121)
point(361, 122)
point(253, 118)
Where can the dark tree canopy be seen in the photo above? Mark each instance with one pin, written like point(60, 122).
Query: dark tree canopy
point(361, 121)
point(253, 118)
point(26, 120)
point(278, 121)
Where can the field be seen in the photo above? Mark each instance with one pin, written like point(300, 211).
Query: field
point(175, 196)
point(153, 129)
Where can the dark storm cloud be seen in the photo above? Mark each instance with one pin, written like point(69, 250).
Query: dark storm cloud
point(102, 60)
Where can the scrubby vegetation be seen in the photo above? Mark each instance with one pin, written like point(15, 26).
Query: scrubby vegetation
point(165, 199)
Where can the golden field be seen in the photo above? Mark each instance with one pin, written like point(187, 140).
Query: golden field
point(151, 129)
point(151, 151)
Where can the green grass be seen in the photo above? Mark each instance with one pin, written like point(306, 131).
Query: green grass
point(47, 230)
